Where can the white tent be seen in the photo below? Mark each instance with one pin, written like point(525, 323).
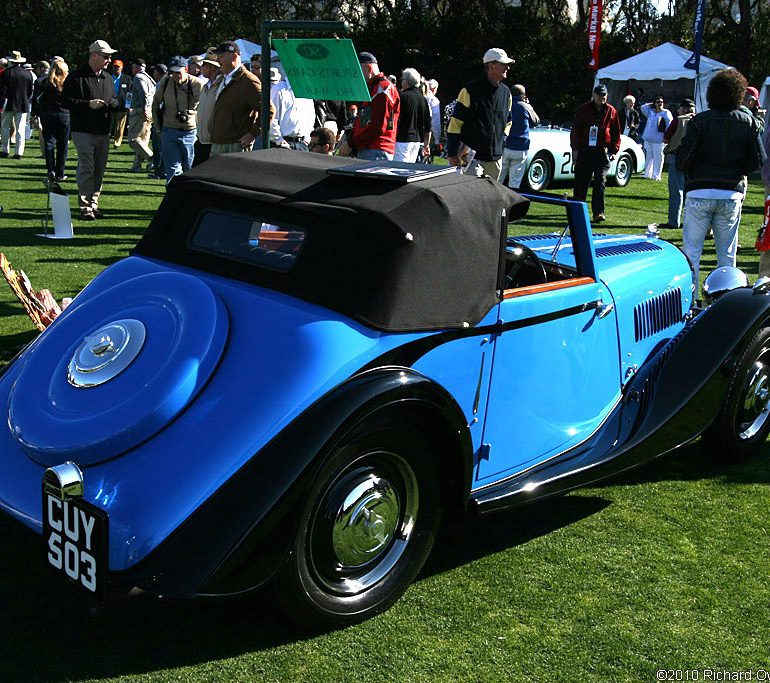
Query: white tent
point(660, 70)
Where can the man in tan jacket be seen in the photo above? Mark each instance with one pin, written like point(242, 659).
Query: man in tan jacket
point(236, 120)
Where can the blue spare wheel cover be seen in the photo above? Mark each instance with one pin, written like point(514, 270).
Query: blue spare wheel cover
point(177, 328)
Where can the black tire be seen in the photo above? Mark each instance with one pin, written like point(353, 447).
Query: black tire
point(743, 424)
point(623, 171)
point(539, 173)
point(366, 530)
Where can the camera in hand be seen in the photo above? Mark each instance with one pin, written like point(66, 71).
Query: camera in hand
point(182, 116)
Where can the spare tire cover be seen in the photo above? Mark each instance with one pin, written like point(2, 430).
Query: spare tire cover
point(116, 369)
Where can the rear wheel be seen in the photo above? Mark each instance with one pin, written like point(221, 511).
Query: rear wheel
point(624, 170)
point(366, 530)
point(539, 173)
point(744, 421)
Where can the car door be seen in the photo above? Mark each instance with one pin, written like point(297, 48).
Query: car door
point(555, 374)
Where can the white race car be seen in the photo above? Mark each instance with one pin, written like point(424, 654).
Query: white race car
point(550, 159)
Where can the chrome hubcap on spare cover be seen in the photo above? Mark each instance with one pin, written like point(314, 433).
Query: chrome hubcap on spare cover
point(105, 353)
point(753, 410)
point(364, 523)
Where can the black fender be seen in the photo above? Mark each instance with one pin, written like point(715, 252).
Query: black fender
point(675, 397)
point(239, 538)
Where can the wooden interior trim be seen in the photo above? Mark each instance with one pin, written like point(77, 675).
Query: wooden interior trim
point(547, 287)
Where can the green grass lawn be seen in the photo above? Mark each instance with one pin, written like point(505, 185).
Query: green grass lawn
point(666, 568)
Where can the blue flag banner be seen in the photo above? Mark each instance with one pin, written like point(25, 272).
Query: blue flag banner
point(700, 20)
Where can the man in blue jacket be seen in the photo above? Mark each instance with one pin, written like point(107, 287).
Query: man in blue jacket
point(523, 117)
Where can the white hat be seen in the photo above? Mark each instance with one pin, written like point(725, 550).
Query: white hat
point(15, 57)
point(497, 54)
point(101, 46)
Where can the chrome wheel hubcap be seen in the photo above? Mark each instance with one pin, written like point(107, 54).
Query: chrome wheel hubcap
point(753, 411)
point(364, 523)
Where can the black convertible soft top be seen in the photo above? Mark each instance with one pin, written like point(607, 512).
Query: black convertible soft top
point(394, 256)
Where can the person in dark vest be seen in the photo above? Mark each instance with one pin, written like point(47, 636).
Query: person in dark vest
point(481, 118)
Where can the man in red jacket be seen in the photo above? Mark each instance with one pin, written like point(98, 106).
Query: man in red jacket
point(373, 136)
point(595, 140)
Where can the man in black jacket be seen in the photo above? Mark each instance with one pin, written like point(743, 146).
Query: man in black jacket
point(90, 94)
point(481, 117)
point(721, 147)
point(16, 86)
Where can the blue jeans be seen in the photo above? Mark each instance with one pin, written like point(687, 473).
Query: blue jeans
point(178, 151)
point(374, 155)
point(720, 215)
point(675, 192)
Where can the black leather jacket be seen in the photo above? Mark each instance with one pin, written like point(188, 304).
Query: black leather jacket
point(719, 149)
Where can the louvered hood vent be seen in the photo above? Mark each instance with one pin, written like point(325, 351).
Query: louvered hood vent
point(632, 248)
point(658, 313)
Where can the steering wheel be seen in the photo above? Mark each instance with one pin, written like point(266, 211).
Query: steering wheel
point(515, 259)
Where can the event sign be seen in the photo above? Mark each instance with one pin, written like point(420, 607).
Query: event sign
point(594, 32)
point(700, 19)
point(322, 68)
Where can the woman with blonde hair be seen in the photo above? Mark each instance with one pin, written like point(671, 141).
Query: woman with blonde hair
point(55, 119)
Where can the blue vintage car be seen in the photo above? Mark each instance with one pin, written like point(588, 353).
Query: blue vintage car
point(306, 362)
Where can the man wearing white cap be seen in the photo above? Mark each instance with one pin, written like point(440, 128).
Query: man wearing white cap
point(90, 94)
point(481, 116)
point(16, 86)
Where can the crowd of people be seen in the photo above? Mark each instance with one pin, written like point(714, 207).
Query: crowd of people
point(178, 115)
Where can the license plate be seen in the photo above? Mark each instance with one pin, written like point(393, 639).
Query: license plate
point(76, 535)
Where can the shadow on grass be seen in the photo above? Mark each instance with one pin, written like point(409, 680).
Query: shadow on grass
point(465, 540)
point(48, 636)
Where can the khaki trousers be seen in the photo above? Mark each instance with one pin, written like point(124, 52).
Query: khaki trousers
point(92, 161)
point(226, 148)
point(119, 126)
point(139, 137)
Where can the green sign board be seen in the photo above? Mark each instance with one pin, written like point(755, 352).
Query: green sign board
point(323, 68)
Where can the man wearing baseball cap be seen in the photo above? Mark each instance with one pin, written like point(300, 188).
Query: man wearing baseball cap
point(90, 94)
point(236, 121)
point(751, 105)
point(481, 117)
point(122, 83)
point(373, 136)
point(595, 139)
point(175, 116)
point(140, 114)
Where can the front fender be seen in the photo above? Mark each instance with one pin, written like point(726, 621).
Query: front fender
point(238, 539)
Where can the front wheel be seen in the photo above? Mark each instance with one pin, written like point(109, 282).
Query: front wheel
point(367, 528)
point(744, 421)
point(623, 171)
point(539, 173)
